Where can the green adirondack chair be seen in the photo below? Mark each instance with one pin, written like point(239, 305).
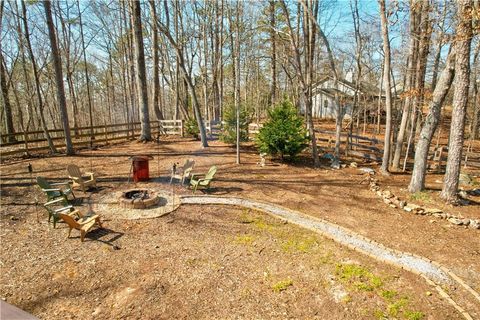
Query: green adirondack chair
point(53, 190)
point(57, 206)
point(197, 182)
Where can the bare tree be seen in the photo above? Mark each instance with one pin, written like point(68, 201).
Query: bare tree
point(37, 80)
point(475, 125)
point(388, 94)
point(409, 83)
point(236, 58)
point(156, 79)
point(87, 78)
point(417, 182)
point(273, 52)
point(6, 100)
point(188, 79)
point(440, 43)
point(303, 73)
point(4, 89)
point(57, 63)
point(145, 135)
point(463, 41)
point(358, 60)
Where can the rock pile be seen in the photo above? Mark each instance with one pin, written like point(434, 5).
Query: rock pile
point(393, 201)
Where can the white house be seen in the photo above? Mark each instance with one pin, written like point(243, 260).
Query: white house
point(323, 99)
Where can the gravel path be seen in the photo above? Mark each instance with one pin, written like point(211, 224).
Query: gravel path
point(343, 236)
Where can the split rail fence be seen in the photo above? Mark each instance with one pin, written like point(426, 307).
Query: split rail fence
point(371, 148)
point(33, 141)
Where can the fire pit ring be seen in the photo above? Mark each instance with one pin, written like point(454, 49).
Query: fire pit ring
point(139, 199)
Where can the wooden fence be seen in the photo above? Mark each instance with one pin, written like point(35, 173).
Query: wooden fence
point(35, 140)
point(371, 148)
point(360, 146)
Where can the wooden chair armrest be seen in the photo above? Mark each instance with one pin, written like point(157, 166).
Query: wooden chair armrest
point(196, 175)
point(64, 208)
point(50, 190)
point(75, 212)
point(87, 219)
point(53, 201)
point(60, 184)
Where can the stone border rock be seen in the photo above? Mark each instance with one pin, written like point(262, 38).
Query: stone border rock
point(395, 202)
point(110, 207)
point(435, 274)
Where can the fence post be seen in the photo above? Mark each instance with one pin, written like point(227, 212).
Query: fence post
point(182, 129)
point(106, 134)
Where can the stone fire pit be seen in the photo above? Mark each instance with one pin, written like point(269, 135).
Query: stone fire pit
point(142, 202)
point(139, 199)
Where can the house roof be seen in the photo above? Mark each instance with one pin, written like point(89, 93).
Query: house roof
point(364, 87)
point(331, 92)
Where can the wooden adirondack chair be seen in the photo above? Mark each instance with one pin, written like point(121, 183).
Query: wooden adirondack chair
point(52, 192)
point(83, 224)
point(197, 182)
point(65, 209)
point(184, 171)
point(80, 180)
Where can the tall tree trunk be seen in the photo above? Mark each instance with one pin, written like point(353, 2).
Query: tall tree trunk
point(28, 87)
point(380, 99)
point(66, 31)
point(156, 79)
point(436, 61)
point(220, 80)
point(417, 182)
point(460, 98)
point(312, 17)
point(87, 78)
point(358, 57)
point(112, 79)
point(4, 88)
point(423, 50)
point(6, 102)
point(274, 52)
point(237, 80)
point(412, 57)
point(145, 134)
point(57, 63)
point(37, 81)
point(188, 79)
point(388, 95)
point(475, 126)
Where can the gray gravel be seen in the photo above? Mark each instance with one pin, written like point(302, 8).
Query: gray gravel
point(332, 231)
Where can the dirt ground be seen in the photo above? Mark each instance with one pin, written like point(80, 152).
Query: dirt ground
point(223, 262)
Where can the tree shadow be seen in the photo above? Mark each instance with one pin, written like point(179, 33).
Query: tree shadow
point(220, 190)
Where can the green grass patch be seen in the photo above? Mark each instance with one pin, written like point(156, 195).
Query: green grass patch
point(413, 315)
point(421, 196)
point(262, 225)
point(304, 244)
point(282, 285)
point(388, 294)
point(245, 217)
point(394, 308)
point(244, 239)
point(379, 314)
point(358, 277)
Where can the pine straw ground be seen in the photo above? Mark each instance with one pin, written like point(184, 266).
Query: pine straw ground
point(224, 262)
